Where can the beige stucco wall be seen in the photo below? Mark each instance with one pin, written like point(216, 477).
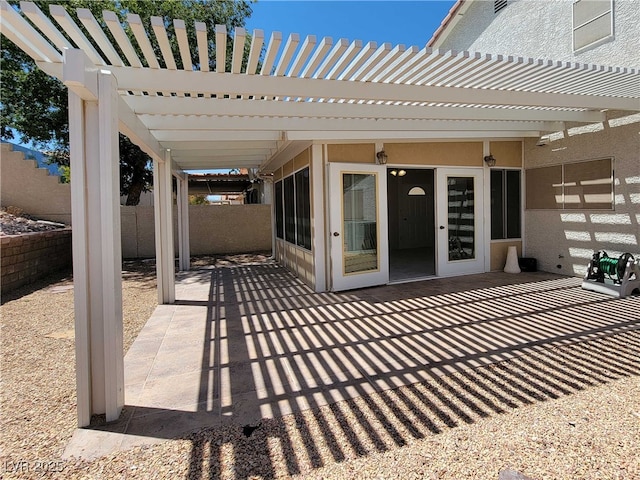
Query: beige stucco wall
point(352, 153)
point(458, 154)
point(32, 189)
point(568, 238)
point(507, 153)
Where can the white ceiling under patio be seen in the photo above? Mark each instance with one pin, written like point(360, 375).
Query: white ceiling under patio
point(293, 91)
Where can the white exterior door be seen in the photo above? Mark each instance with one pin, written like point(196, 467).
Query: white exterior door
point(460, 221)
point(358, 225)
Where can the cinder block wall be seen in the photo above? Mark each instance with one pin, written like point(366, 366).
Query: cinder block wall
point(213, 229)
point(33, 189)
point(25, 258)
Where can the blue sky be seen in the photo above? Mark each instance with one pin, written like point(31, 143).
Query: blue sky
point(396, 22)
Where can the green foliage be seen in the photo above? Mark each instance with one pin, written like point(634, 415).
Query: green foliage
point(35, 105)
point(65, 174)
point(198, 200)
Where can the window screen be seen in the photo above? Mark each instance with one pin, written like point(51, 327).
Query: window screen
point(293, 209)
point(588, 185)
point(544, 188)
point(289, 210)
point(592, 22)
point(279, 210)
point(578, 185)
point(505, 204)
point(303, 209)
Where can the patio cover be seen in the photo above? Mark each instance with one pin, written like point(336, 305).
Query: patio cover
point(258, 114)
point(310, 89)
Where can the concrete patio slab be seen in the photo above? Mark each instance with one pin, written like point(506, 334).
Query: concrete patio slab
point(248, 342)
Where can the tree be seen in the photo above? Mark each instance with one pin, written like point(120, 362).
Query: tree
point(198, 200)
point(35, 105)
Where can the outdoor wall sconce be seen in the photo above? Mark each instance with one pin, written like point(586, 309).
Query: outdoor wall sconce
point(490, 160)
point(398, 173)
point(382, 157)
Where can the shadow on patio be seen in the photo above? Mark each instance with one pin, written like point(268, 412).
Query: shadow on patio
point(245, 345)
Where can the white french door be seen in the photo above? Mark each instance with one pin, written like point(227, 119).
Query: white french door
point(460, 221)
point(358, 225)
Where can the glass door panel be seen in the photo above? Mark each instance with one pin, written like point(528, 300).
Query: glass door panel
point(461, 218)
point(358, 226)
point(460, 221)
point(360, 219)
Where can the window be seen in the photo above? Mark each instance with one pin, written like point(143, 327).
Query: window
point(505, 204)
point(303, 209)
point(592, 22)
point(289, 210)
point(578, 185)
point(293, 209)
point(279, 210)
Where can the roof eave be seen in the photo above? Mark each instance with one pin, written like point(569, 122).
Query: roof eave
point(447, 24)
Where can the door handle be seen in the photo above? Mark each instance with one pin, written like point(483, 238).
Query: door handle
point(336, 234)
point(441, 227)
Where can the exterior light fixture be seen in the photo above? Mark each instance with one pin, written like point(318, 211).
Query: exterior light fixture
point(398, 173)
point(490, 160)
point(402, 173)
point(381, 157)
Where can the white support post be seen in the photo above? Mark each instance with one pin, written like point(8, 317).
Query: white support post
point(112, 244)
point(267, 191)
point(179, 187)
point(97, 257)
point(486, 150)
point(317, 216)
point(183, 223)
point(169, 252)
point(157, 216)
point(163, 210)
point(81, 257)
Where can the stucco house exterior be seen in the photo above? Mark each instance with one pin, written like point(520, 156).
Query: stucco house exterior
point(557, 197)
point(564, 235)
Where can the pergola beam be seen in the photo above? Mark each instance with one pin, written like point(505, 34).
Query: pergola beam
point(230, 146)
point(170, 135)
point(210, 83)
point(349, 136)
point(131, 126)
point(235, 107)
point(214, 123)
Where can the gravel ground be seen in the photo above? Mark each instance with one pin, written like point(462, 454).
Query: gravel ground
point(571, 412)
point(13, 221)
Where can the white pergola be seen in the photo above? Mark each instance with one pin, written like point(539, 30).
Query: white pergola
point(287, 96)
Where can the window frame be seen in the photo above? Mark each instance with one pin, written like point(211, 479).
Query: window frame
point(278, 206)
point(563, 185)
point(504, 207)
point(291, 232)
point(599, 41)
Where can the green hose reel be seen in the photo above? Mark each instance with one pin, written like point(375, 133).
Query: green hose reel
point(615, 276)
point(602, 264)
